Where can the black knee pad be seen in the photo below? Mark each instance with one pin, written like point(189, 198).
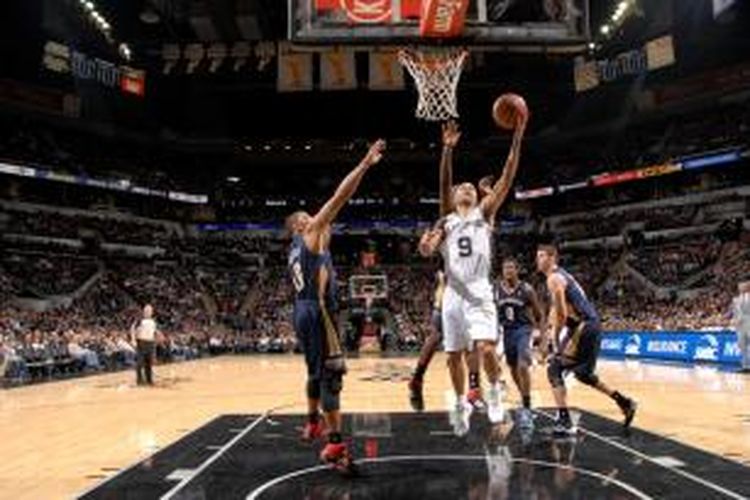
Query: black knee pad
point(587, 378)
point(331, 386)
point(313, 388)
point(555, 372)
point(336, 364)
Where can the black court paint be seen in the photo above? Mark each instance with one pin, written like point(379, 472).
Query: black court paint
point(407, 455)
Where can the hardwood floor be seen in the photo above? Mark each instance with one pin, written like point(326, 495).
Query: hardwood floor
point(58, 439)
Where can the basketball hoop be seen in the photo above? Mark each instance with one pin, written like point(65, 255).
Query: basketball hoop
point(436, 73)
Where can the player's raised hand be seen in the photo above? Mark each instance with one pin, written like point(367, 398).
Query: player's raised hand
point(375, 153)
point(430, 241)
point(485, 185)
point(451, 134)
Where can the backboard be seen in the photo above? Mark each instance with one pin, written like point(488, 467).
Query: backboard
point(489, 23)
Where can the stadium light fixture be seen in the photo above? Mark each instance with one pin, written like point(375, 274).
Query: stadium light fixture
point(617, 17)
point(102, 24)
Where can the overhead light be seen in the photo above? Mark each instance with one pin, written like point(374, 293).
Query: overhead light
point(89, 6)
point(592, 45)
point(125, 51)
point(605, 29)
point(233, 179)
point(308, 147)
point(248, 147)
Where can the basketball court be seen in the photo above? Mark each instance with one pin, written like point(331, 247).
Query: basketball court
point(218, 428)
point(229, 427)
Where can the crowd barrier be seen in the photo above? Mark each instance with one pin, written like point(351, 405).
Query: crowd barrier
point(686, 346)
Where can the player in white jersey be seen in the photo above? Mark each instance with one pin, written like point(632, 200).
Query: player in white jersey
point(469, 315)
point(741, 323)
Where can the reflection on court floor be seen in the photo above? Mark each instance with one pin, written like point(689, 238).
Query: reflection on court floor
point(407, 455)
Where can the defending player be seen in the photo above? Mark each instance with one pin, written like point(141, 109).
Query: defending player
point(575, 329)
point(469, 313)
point(313, 278)
point(520, 313)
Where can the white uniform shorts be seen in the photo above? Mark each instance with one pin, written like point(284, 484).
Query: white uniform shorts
point(467, 321)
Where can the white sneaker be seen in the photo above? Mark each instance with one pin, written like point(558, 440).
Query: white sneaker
point(460, 417)
point(495, 410)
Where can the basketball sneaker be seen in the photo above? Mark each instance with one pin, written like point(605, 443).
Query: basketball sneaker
point(460, 417)
point(416, 397)
point(313, 430)
point(628, 408)
point(475, 399)
point(495, 409)
point(337, 455)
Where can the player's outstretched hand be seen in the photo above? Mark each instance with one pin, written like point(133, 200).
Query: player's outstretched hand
point(430, 241)
point(451, 134)
point(485, 185)
point(375, 153)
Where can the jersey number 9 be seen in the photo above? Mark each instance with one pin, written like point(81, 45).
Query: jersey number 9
point(464, 247)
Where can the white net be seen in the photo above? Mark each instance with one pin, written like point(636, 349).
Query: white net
point(436, 73)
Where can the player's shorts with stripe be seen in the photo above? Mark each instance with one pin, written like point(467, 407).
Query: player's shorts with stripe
point(468, 319)
point(310, 323)
point(579, 348)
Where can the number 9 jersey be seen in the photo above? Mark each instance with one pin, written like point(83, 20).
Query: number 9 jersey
point(467, 252)
point(469, 312)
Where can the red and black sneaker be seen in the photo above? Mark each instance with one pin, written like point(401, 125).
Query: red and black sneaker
point(313, 430)
point(475, 399)
point(337, 455)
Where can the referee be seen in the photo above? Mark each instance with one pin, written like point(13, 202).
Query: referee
point(144, 338)
point(741, 323)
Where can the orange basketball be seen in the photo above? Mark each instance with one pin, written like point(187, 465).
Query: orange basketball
point(507, 110)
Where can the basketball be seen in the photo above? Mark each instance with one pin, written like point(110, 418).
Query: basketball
point(507, 109)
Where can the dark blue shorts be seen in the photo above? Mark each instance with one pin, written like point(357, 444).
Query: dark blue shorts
point(580, 350)
point(310, 330)
point(517, 343)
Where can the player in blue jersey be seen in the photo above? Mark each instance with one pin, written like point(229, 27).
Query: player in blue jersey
point(311, 269)
point(520, 313)
point(575, 329)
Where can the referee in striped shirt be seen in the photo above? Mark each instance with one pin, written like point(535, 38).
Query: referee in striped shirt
point(143, 333)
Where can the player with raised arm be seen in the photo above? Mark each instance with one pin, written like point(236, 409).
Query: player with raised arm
point(575, 329)
point(469, 313)
point(313, 277)
point(451, 136)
